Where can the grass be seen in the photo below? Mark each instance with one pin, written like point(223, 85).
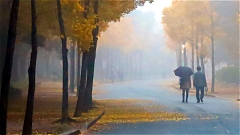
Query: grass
point(47, 110)
point(48, 105)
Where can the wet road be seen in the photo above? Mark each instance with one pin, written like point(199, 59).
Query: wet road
point(222, 115)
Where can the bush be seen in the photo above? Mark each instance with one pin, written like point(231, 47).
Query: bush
point(15, 92)
point(228, 75)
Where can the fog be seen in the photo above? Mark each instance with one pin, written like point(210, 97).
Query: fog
point(131, 49)
point(136, 47)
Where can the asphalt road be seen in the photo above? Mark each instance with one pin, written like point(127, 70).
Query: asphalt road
point(222, 115)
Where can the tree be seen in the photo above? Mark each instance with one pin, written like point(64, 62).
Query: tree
point(81, 90)
point(72, 67)
point(5, 7)
point(107, 11)
point(65, 114)
point(27, 126)
point(91, 62)
point(227, 20)
point(211, 35)
point(7, 69)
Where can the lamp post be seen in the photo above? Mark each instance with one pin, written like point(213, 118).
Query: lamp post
point(184, 54)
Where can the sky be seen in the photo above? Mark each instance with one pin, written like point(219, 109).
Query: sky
point(157, 6)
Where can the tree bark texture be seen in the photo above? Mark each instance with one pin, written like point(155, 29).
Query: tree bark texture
point(213, 66)
point(91, 62)
point(65, 114)
point(180, 55)
point(80, 107)
point(108, 64)
point(193, 55)
point(15, 71)
point(22, 67)
point(185, 55)
point(72, 68)
point(201, 55)
point(197, 52)
point(81, 91)
point(5, 8)
point(7, 69)
point(47, 64)
point(78, 69)
point(27, 126)
point(212, 58)
point(202, 63)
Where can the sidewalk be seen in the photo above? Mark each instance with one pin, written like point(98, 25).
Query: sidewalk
point(225, 90)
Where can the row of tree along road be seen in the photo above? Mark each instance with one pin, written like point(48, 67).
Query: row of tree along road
point(208, 28)
point(77, 21)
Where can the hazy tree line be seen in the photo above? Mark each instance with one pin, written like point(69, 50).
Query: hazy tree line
point(78, 20)
point(202, 31)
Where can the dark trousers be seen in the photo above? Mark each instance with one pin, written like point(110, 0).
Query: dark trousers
point(183, 94)
point(200, 88)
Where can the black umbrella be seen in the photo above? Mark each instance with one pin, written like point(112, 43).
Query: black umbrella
point(183, 71)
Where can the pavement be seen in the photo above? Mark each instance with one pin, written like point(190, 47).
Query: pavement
point(216, 115)
point(227, 93)
point(222, 90)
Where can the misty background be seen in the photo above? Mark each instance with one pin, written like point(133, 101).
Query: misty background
point(130, 49)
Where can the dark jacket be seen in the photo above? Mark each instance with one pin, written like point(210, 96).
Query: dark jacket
point(199, 79)
point(185, 83)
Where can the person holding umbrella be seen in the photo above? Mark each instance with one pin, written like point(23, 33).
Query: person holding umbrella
point(185, 82)
point(199, 82)
point(185, 85)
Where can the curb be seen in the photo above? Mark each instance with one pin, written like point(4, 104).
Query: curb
point(89, 124)
point(84, 128)
point(224, 98)
point(71, 132)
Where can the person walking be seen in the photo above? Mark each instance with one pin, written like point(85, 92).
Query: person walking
point(185, 85)
point(199, 82)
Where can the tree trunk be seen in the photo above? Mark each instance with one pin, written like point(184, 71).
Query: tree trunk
point(15, 71)
point(2, 58)
point(197, 52)
point(135, 66)
point(128, 60)
point(5, 7)
point(91, 62)
point(65, 114)
point(22, 67)
point(201, 54)
point(47, 64)
point(213, 62)
point(80, 107)
point(177, 58)
point(131, 63)
point(7, 69)
point(108, 64)
point(78, 69)
point(27, 126)
point(80, 101)
point(72, 67)
point(213, 66)
point(99, 65)
point(180, 55)
point(76, 65)
point(185, 54)
point(202, 63)
point(193, 55)
point(141, 65)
